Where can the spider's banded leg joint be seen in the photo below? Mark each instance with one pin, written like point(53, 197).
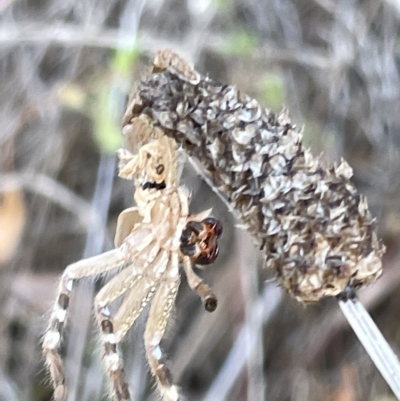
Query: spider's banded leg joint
point(163, 374)
point(111, 357)
point(53, 337)
point(54, 334)
point(158, 366)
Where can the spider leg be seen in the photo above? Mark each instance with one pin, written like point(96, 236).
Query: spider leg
point(196, 284)
point(156, 324)
point(53, 336)
point(142, 286)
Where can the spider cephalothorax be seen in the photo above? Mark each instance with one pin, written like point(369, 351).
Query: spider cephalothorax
point(152, 241)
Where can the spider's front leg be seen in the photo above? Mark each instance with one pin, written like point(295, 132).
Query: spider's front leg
point(54, 333)
point(156, 325)
point(199, 245)
point(196, 283)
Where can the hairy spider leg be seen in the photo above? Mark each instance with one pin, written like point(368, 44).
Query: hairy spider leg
point(92, 266)
point(142, 288)
point(54, 333)
point(160, 311)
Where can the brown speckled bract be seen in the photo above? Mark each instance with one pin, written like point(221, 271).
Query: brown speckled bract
point(315, 229)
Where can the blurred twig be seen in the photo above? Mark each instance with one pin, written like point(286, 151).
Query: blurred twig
point(71, 37)
point(83, 306)
point(245, 344)
point(51, 189)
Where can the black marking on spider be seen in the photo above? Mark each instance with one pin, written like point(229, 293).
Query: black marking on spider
point(154, 185)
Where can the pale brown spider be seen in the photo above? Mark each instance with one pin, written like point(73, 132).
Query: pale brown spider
point(152, 241)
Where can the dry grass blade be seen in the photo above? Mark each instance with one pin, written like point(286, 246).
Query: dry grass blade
point(374, 343)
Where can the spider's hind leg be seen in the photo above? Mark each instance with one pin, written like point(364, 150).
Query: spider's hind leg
point(113, 329)
point(112, 357)
point(156, 325)
point(54, 333)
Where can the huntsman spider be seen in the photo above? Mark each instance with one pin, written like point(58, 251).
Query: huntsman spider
point(152, 241)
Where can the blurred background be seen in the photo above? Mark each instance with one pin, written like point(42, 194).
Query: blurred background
point(66, 70)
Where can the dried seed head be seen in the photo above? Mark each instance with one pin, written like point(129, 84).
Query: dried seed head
point(166, 59)
point(316, 231)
